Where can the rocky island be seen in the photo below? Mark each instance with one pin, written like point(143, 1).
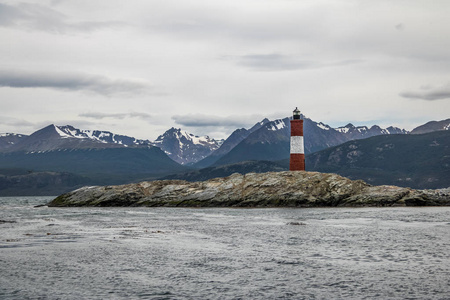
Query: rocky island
point(272, 189)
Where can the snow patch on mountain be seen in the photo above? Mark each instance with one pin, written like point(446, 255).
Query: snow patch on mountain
point(277, 125)
point(344, 129)
point(363, 131)
point(63, 134)
point(8, 140)
point(7, 134)
point(323, 126)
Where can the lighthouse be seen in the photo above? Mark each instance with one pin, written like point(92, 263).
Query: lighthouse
point(297, 158)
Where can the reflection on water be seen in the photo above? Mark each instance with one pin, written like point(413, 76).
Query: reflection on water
point(180, 253)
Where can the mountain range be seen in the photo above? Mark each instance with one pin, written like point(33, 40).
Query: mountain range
point(179, 145)
point(271, 141)
point(102, 157)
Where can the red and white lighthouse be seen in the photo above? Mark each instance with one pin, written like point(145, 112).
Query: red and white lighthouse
point(297, 159)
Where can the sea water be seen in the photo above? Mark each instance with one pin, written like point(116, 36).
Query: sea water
point(222, 253)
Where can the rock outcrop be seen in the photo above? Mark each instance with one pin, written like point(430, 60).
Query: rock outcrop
point(272, 189)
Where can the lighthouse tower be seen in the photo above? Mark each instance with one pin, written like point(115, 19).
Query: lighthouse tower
point(297, 159)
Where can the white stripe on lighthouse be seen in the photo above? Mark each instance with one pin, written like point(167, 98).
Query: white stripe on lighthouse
point(297, 145)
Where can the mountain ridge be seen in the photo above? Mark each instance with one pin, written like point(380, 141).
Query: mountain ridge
point(272, 140)
point(180, 146)
point(54, 137)
point(432, 126)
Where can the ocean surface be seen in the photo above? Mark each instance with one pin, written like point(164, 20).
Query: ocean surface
point(221, 253)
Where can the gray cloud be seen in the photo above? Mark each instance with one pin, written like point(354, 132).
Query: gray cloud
point(429, 93)
point(71, 82)
point(256, 21)
point(275, 62)
point(8, 121)
point(400, 26)
point(38, 17)
point(199, 120)
point(120, 116)
point(139, 115)
point(280, 62)
point(223, 58)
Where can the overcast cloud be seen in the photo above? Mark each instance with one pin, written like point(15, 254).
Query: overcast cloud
point(209, 67)
point(119, 116)
point(197, 120)
point(71, 82)
point(429, 93)
point(33, 16)
point(280, 62)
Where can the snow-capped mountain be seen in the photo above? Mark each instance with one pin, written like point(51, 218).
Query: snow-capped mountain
point(271, 141)
point(361, 132)
point(100, 136)
point(186, 148)
point(180, 146)
point(55, 137)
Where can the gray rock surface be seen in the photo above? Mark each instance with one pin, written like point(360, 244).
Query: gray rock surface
point(272, 189)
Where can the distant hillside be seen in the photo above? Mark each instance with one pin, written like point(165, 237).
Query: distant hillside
point(432, 126)
point(57, 158)
point(17, 182)
point(418, 161)
point(100, 166)
point(8, 140)
point(226, 170)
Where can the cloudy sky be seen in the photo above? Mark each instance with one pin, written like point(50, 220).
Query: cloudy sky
point(139, 67)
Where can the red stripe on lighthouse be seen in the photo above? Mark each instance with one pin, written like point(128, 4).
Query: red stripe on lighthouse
point(297, 155)
point(296, 127)
point(297, 162)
